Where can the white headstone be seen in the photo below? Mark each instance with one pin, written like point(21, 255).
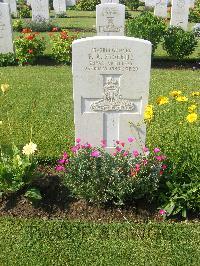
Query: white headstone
point(110, 1)
point(111, 85)
point(160, 9)
point(59, 6)
point(6, 42)
point(13, 6)
point(70, 2)
point(40, 10)
point(192, 3)
point(150, 3)
point(110, 19)
point(180, 13)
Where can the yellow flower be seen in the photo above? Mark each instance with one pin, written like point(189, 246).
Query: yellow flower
point(4, 87)
point(29, 148)
point(192, 108)
point(191, 117)
point(195, 93)
point(148, 113)
point(175, 93)
point(162, 100)
point(1, 123)
point(182, 99)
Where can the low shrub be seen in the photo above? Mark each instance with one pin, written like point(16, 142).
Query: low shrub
point(87, 5)
point(24, 11)
point(133, 4)
point(124, 176)
point(177, 115)
point(41, 25)
point(17, 25)
point(179, 43)
point(148, 27)
point(28, 48)
point(62, 47)
point(194, 15)
point(8, 59)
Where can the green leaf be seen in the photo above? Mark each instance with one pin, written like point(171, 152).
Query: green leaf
point(33, 194)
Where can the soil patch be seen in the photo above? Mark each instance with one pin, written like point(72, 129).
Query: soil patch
point(57, 203)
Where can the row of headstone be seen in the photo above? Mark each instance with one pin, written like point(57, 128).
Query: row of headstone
point(6, 40)
point(111, 77)
point(40, 8)
point(179, 10)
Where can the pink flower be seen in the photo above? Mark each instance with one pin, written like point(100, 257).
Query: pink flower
point(88, 145)
point(65, 155)
point(118, 148)
point(159, 158)
point(145, 162)
point(103, 143)
point(164, 166)
point(135, 153)
point(122, 144)
point(114, 153)
point(130, 139)
point(78, 140)
point(125, 153)
point(60, 168)
point(95, 153)
point(62, 161)
point(162, 212)
point(137, 167)
point(145, 149)
point(156, 150)
point(118, 142)
point(75, 148)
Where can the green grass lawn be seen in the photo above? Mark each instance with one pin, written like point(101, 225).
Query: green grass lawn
point(49, 90)
point(45, 243)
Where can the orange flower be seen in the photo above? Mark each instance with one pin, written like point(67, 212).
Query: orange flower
point(30, 37)
point(30, 51)
point(26, 30)
point(55, 29)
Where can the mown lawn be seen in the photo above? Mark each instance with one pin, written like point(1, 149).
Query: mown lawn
point(37, 242)
point(41, 97)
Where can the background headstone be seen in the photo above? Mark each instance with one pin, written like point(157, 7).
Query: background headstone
point(6, 42)
point(180, 13)
point(70, 3)
point(160, 9)
point(59, 6)
point(110, 19)
point(111, 84)
point(150, 3)
point(192, 3)
point(13, 6)
point(40, 10)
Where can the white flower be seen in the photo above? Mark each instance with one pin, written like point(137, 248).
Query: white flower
point(29, 148)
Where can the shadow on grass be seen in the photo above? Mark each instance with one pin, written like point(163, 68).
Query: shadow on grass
point(170, 63)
